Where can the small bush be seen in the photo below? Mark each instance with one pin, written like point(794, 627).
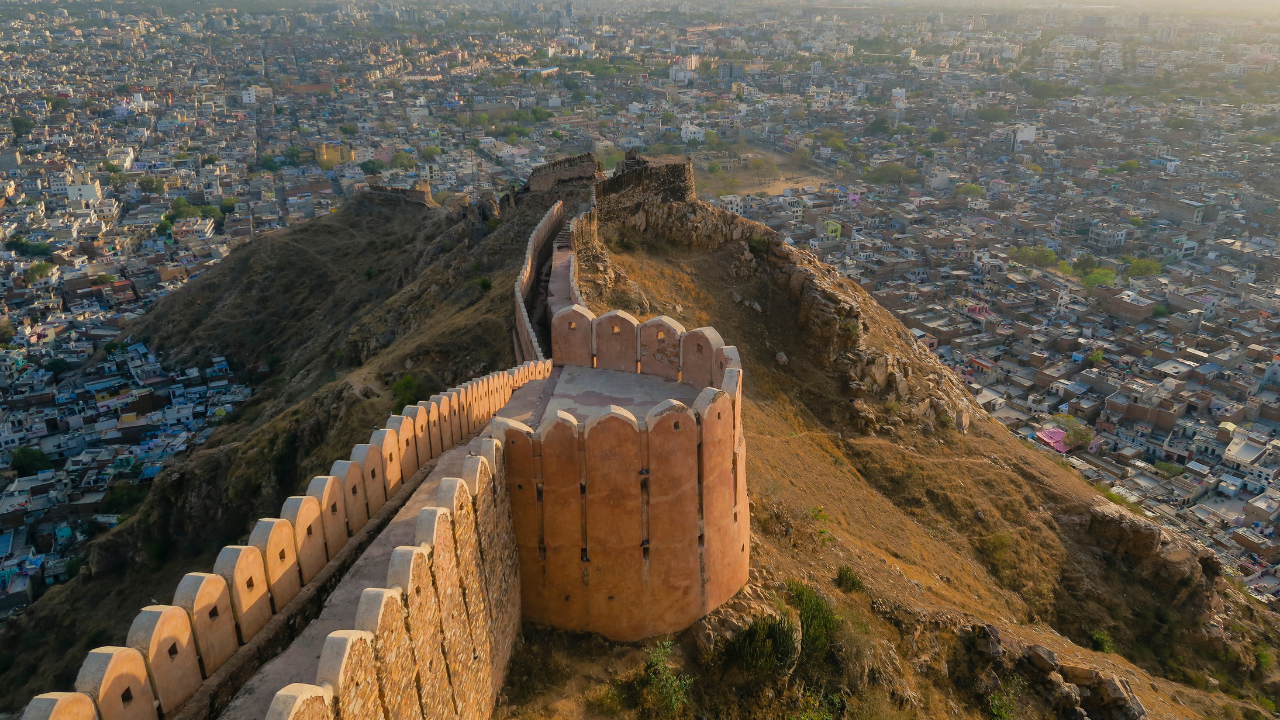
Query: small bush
point(1266, 703)
point(812, 707)
point(818, 623)
point(848, 580)
point(767, 647)
point(758, 246)
point(408, 390)
point(665, 693)
point(1101, 641)
point(1004, 703)
point(605, 701)
point(946, 422)
point(485, 283)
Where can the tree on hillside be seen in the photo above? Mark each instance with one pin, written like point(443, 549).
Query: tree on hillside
point(801, 157)
point(373, 167)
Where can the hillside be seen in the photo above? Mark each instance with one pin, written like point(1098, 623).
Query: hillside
point(856, 459)
point(324, 319)
point(958, 547)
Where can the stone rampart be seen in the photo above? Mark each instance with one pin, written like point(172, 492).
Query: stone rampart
point(579, 167)
point(537, 251)
point(419, 193)
point(667, 179)
point(460, 587)
point(632, 527)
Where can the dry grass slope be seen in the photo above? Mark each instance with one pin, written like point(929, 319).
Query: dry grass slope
point(943, 530)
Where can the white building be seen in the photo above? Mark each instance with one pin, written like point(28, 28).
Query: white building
point(732, 203)
point(689, 131)
point(82, 186)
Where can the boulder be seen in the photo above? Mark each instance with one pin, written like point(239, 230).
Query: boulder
point(1082, 675)
point(1042, 658)
point(988, 640)
point(1110, 692)
point(717, 630)
point(1117, 530)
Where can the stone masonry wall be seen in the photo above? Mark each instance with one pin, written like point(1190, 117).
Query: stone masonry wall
point(579, 167)
point(459, 590)
point(632, 527)
point(536, 253)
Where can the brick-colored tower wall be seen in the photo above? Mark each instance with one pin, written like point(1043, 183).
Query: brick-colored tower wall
point(607, 512)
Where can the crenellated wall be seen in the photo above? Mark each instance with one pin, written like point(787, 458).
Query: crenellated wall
point(629, 518)
point(578, 167)
point(633, 526)
point(461, 588)
point(536, 253)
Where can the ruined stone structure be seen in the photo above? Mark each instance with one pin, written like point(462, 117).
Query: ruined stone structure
point(419, 193)
point(602, 489)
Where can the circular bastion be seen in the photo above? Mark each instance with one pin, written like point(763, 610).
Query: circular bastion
point(628, 494)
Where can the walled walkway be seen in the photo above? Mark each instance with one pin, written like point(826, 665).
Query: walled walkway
point(560, 285)
point(298, 663)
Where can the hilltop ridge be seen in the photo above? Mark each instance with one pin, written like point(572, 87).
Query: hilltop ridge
point(327, 320)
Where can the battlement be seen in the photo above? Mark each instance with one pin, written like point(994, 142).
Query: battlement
point(537, 252)
point(187, 660)
point(664, 179)
point(601, 490)
point(629, 496)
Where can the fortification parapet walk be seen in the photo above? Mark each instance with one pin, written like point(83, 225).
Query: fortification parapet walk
point(602, 489)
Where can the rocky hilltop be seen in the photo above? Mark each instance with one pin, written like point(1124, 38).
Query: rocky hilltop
point(911, 558)
point(983, 565)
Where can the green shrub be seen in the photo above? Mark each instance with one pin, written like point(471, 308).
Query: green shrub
point(605, 701)
point(1004, 703)
point(665, 693)
point(758, 246)
point(1101, 641)
point(812, 707)
point(767, 647)
point(818, 623)
point(408, 390)
point(848, 580)
point(1266, 703)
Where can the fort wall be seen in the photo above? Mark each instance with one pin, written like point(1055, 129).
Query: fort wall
point(632, 527)
point(623, 525)
point(537, 251)
point(187, 659)
point(579, 167)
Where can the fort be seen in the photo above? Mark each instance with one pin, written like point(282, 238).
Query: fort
point(597, 486)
